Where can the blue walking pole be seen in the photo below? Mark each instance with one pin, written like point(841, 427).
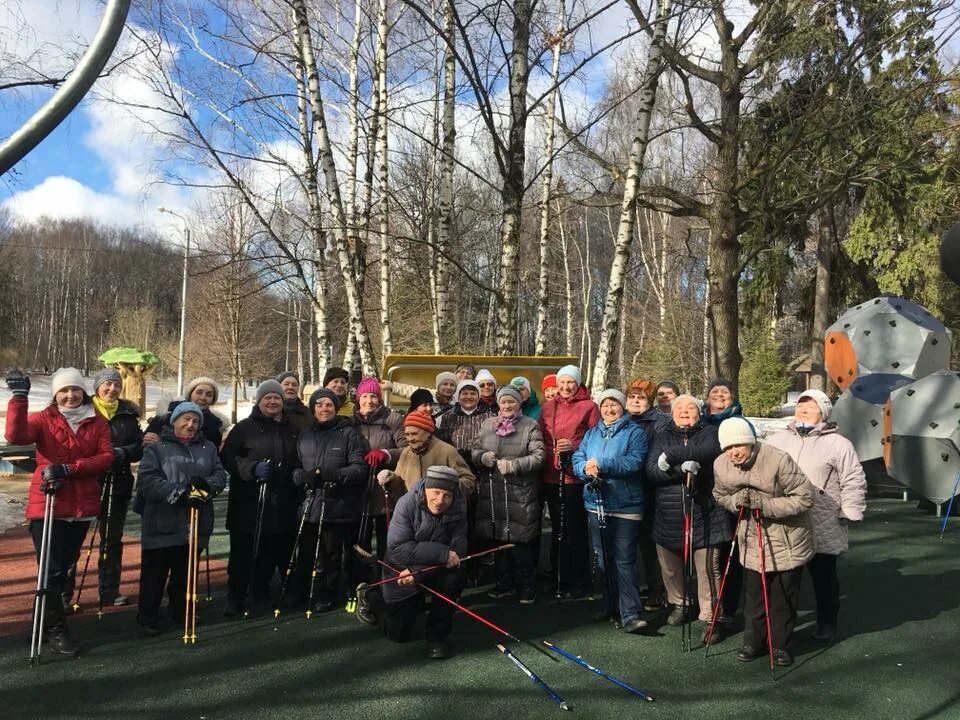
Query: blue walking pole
point(602, 673)
point(946, 517)
point(526, 671)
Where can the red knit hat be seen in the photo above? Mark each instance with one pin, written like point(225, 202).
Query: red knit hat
point(548, 381)
point(420, 420)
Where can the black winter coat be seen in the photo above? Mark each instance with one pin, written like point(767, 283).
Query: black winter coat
point(298, 413)
point(212, 428)
point(252, 440)
point(125, 436)
point(336, 449)
point(711, 523)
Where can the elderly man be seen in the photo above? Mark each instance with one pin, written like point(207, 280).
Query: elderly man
point(422, 451)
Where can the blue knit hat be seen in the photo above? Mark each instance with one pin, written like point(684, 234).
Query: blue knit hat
point(571, 371)
point(185, 407)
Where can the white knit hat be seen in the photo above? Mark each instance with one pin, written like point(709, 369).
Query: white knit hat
point(66, 377)
point(822, 401)
point(485, 374)
point(736, 431)
point(612, 394)
point(571, 371)
point(202, 380)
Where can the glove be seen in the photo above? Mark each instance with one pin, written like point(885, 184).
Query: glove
point(376, 457)
point(118, 454)
point(55, 472)
point(489, 459)
point(18, 383)
point(505, 467)
point(330, 476)
point(197, 499)
point(385, 477)
point(50, 485)
point(662, 462)
point(200, 483)
point(741, 498)
point(690, 466)
point(311, 478)
point(564, 457)
point(262, 470)
point(596, 482)
point(756, 502)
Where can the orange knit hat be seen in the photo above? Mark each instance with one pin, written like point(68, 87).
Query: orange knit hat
point(419, 419)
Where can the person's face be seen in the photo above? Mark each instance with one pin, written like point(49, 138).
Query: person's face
point(202, 395)
point(69, 397)
point(324, 410)
point(550, 392)
point(464, 373)
point(685, 414)
point(446, 389)
point(109, 390)
point(468, 398)
point(291, 388)
point(369, 402)
point(566, 386)
point(610, 411)
point(637, 403)
point(271, 405)
point(417, 438)
point(807, 411)
point(438, 500)
point(738, 454)
point(186, 424)
point(524, 392)
point(338, 385)
point(426, 408)
point(665, 396)
point(508, 406)
point(488, 389)
point(719, 398)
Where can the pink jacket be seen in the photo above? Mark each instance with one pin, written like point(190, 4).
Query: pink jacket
point(568, 418)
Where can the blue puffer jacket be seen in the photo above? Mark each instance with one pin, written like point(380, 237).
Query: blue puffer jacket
point(163, 483)
point(417, 538)
point(619, 450)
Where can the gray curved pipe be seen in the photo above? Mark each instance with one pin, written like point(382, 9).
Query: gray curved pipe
point(65, 99)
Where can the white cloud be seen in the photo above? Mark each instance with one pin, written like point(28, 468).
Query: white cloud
point(63, 197)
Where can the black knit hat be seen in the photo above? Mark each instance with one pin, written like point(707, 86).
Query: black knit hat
point(325, 393)
point(419, 397)
point(333, 373)
point(720, 382)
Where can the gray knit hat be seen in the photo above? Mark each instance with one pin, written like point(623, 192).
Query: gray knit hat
point(267, 387)
point(509, 391)
point(104, 375)
point(441, 477)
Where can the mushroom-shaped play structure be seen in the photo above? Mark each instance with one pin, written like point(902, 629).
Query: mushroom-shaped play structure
point(134, 367)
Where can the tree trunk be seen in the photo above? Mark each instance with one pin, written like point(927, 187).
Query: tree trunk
point(568, 283)
point(621, 258)
point(826, 237)
point(445, 209)
point(383, 176)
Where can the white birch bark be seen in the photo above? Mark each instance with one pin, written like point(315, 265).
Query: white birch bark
point(568, 282)
point(383, 175)
point(613, 303)
point(353, 115)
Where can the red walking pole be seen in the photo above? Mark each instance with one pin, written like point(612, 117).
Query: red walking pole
point(723, 581)
point(763, 584)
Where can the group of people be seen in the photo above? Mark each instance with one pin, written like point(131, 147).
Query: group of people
point(647, 476)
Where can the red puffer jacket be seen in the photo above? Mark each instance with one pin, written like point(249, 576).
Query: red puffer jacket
point(88, 453)
point(568, 418)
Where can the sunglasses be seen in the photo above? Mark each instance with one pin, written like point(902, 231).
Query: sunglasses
point(486, 384)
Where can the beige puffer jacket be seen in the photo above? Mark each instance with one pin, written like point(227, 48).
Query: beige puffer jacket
point(831, 464)
point(785, 522)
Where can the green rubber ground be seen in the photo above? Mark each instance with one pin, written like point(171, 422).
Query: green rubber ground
point(899, 658)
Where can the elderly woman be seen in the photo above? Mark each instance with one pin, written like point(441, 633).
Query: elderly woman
point(465, 371)
point(680, 466)
point(461, 426)
point(721, 402)
point(181, 470)
point(488, 389)
point(73, 450)
point(202, 392)
point(774, 496)
point(563, 422)
point(446, 386)
point(127, 440)
point(610, 462)
point(529, 404)
point(510, 451)
point(332, 467)
point(830, 462)
point(338, 380)
point(293, 406)
point(260, 454)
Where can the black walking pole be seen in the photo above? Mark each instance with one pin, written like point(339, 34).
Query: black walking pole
point(316, 551)
point(104, 494)
point(506, 507)
point(257, 530)
point(559, 530)
point(295, 552)
point(597, 485)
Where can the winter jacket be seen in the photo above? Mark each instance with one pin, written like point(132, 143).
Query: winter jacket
point(334, 448)
point(532, 408)
point(651, 420)
point(733, 411)
point(298, 413)
point(212, 428)
point(417, 538)
point(163, 485)
point(88, 453)
point(383, 430)
point(711, 524)
point(346, 410)
point(125, 436)
point(412, 467)
point(620, 450)
point(254, 439)
point(786, 496)
point(460, 430)
point(521, 505)
point(568, 418)
point(831, 464)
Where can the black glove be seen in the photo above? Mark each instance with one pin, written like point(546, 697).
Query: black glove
point(331, 476)
point(197, 499)
point(50, 485)
point(118, 454)
point(311, 478)
point(18, 383)
point(55, 472)
point(200, 483)
point(595, 483)
point(262, 471)
point(565, 457)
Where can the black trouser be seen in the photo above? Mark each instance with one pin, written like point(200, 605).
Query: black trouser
point(335, 549)
point(156, 567)
point(733, 590)
point(274, 556)
point(826, 588)
point(111, 546)
point(399, 618)
point(783, 591)
point(66, 541)
point(574, 564)
point(647, 550)
point(517, 567)
point(376, 528)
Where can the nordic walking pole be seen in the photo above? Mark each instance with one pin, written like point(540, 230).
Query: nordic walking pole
point(195, 564)
point(190, 579)
point(685, 502)
point(75, 605)
point(351, 606)
point(537, 681)
point(421, 571)
point(105, 533)
point(559, 531)
point(316, 551)
point(576, 659)
point(458, 606)
point(257, 529)
point(294, 553)
point(506, 507)
point(946, 516)
point(723, 582)
point(597, 484)
point(43, 572)
point(493, 506)
point(206, 555)
point(763, 584)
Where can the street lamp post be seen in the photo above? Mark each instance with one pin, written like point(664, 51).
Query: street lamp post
point(183, 301)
